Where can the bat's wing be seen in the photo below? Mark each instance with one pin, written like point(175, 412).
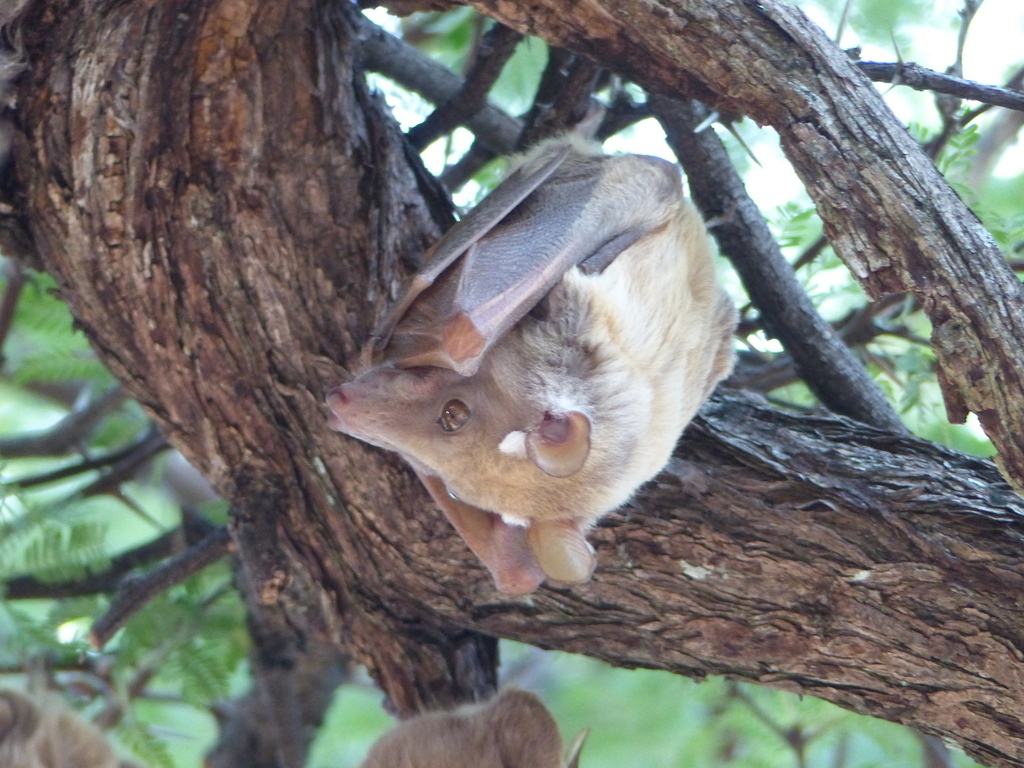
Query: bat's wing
point(566, 209)
point(464, 235)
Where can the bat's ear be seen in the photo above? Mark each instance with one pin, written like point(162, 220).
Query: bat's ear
point(561, 549)
point(572, 755)
point(560, 443)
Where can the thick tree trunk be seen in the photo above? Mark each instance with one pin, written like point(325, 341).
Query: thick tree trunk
point(225, 206)
point(227, 210)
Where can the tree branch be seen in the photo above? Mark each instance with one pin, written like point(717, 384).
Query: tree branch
point(252, 726)
point(922, 79)
point(117, 466)
point(134, 592)
point(30, 588)
point(828, 366)
point(66, 433)
point(495, 49)
point(412, 69)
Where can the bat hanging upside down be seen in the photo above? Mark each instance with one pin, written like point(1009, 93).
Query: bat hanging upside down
point(544, 363)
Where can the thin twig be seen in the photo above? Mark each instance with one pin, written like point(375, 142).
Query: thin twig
point(842, 21)
point(30, 588)
point(967, 14)
point(193, 529)
point(127, 467)
point(948, 106)
point(135, 592)
point(562, 99)
point(922, 79)
point(856, 329)
point(417, 72)
point(129, 457)
point(63, 436)
point(831, 370)
point(495, 49)
point(814, 250)
point(496, 132)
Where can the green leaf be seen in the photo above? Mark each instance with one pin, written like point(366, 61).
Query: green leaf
point(151, 750)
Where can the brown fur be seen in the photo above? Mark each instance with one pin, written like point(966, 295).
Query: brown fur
point(514, 730)
point(41, 732)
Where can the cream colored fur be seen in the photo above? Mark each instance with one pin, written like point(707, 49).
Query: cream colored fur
point(652, 326)
point(635, 348)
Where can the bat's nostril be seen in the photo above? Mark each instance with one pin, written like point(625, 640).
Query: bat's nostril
point(337, 398)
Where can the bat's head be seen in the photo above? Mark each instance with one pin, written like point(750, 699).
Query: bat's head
point(525, 460)
point(474, 432)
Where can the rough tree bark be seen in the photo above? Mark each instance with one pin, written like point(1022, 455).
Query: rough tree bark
point(227, 210)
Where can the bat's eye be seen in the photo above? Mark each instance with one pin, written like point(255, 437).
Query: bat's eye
point(453, 416)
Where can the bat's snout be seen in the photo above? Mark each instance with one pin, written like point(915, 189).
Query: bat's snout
point(337, 401)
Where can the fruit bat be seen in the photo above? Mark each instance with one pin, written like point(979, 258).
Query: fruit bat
point(41, 732)
point(514, 730)
point(544, 362)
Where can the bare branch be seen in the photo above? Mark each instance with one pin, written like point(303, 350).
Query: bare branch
point(828, 366)
point(120, 465)
point(414, 70)
point(921, 79)
point(967, 14)
point(30, 588)
point(135, 592)
point(495, 49)
point(193, 529)
point(64, 436)
point(813, 251)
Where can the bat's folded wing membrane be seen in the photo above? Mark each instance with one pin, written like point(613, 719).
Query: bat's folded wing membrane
point(461, 238)
point(510, 251)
